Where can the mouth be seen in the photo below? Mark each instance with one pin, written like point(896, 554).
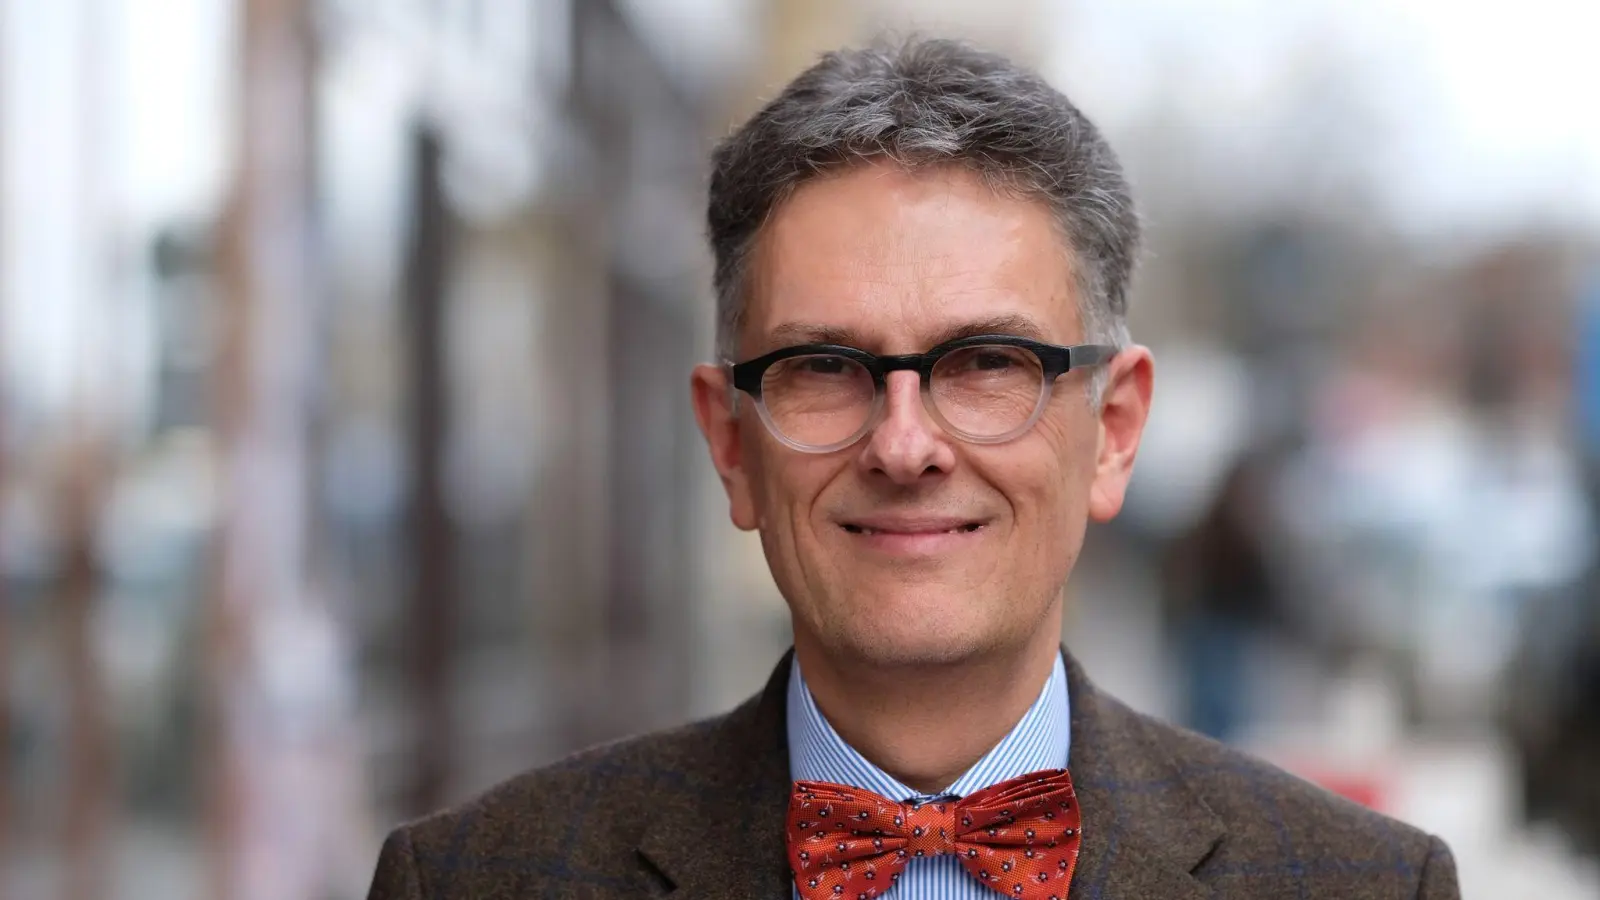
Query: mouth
point(868, 530)
point(924, 538)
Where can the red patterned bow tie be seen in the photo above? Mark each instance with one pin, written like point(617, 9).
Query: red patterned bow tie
point(1020, 837)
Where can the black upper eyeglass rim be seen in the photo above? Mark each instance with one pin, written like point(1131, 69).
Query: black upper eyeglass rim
point(1055, 359)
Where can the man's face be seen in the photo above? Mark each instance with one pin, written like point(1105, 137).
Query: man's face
point(911, 546)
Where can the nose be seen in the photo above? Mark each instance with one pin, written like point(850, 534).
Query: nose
point(907, 445)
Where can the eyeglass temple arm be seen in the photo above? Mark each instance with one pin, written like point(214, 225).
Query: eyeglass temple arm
point(1089, 355)
point(733, 389)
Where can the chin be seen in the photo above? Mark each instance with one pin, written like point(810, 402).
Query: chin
point(883, 654)
point(897, 637)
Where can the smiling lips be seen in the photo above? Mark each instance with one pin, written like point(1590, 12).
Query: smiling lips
point(905, 533)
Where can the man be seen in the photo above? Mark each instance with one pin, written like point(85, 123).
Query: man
point(922, 256)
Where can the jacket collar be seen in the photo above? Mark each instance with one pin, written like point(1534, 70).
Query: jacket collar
point(1144, 830)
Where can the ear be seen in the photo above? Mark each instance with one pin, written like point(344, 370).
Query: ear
point(1123, 411)
point(713, 399)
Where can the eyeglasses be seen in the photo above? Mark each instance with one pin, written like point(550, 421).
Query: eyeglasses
point(987, 389)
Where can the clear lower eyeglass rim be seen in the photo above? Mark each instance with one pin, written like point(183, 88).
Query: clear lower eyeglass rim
point(874, 414)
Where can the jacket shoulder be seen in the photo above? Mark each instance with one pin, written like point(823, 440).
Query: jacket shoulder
point(574, 820)
point(639, 766)
point(1276, 823)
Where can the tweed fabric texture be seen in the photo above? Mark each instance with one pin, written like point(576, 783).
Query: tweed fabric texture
point(698, 812)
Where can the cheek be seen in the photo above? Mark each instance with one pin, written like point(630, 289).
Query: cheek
point(784, 484)
point(764, 464)
point(1080, 436)
point(1048, 484)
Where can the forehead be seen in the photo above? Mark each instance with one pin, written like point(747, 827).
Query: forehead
point(900, 259)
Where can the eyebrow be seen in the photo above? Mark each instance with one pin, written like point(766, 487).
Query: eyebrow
point(794, 333)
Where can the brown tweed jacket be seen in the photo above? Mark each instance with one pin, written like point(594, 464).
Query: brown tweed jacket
point(697, 812)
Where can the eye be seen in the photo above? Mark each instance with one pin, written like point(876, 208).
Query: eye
point(985, 359)
point(823, 365)
point(991, 359)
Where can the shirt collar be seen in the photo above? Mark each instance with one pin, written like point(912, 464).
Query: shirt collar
point(1040, 740)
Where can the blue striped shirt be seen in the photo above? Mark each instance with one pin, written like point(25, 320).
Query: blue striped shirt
point(1039, 741)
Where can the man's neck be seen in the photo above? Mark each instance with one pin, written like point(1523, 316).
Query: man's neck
point(928, 725)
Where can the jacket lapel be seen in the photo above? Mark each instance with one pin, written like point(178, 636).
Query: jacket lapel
point(724, 840)
point(1144, 831)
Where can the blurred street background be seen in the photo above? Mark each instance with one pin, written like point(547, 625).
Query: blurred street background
point(347, 465)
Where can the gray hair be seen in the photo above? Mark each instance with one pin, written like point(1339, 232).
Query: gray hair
point(920, 103)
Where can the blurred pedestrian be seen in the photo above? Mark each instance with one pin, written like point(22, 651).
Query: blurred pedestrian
point(1222, 601)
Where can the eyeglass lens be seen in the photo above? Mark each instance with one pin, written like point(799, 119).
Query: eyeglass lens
point(982, 391)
